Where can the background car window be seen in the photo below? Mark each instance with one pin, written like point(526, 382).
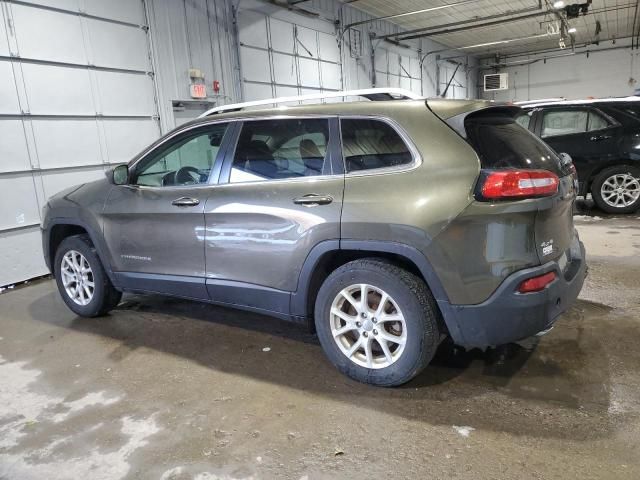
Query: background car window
point(188, 161)
point(276, 149)
point(369, 144)
point(597, 121)
point(564, 122)
point(524, 119)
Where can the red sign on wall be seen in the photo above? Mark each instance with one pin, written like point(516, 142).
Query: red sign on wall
point(198, 90)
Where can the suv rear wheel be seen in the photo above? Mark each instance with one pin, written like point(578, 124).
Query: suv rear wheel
point(81, 279)
point(376, 322)
point(617, 189)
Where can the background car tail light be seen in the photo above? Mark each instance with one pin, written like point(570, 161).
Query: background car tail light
point(518, 184)
point(536, 284)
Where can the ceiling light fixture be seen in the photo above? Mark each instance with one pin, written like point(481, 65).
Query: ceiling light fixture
point(558, 5)
point(572, 30)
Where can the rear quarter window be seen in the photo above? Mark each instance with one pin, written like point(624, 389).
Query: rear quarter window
point(501, 142)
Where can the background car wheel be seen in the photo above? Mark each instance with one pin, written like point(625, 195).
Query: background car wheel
point(376, 322)
point(81, 279)
point(617, 189)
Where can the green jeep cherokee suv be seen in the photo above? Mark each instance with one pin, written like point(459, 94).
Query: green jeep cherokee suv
point(389, 225)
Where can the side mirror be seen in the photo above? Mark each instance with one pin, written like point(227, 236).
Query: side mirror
point(120, 175)
point(565, 159)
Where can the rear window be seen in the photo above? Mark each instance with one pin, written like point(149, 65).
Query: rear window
point(502, 143)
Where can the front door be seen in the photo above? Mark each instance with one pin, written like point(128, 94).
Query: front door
point(282, 196)
point(154, 226)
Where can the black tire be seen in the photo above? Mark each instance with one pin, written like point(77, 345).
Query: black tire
point(413, 298)
point(596, 188)
point(105, 296)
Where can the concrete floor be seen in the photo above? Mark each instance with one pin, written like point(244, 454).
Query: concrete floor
point(167, 389)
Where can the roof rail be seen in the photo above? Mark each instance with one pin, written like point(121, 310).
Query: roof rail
point(370, 93)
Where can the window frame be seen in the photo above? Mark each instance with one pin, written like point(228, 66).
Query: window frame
point(333, 154)
point(415, 153)
point(176, 136)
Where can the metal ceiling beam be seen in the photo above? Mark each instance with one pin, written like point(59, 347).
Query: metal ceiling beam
point(473, 27)
point(406, 14)
point(467, 22)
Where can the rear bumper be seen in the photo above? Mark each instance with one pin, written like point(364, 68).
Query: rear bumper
point(508, 315)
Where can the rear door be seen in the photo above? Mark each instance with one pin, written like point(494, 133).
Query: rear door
point(585, 133)
point(280, 195)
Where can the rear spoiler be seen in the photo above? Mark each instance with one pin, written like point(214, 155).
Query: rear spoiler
point(455, 112)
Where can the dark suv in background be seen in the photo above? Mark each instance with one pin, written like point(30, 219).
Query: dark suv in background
point(603, 139)
point(388, 225)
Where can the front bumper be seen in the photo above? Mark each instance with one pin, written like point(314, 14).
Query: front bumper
point(508, 315)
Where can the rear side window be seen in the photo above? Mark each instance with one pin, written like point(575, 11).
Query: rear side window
point(279, 149)
point(371, 144)
point(567, 122)
point(502, 143)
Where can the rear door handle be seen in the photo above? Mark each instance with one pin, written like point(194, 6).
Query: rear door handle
point(597, 138)
point(313, 199)
point(185, 202)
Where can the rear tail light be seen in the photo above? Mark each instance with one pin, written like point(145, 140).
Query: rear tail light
point(536, 284)
point(517, 184)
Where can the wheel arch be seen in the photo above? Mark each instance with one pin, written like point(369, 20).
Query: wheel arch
point(623, 162)
point(329, 255)
point(60, 228)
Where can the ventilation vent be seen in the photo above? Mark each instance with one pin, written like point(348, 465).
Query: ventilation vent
point(496, 81)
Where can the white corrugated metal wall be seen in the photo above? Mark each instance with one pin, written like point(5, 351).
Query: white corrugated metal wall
point(76, 96)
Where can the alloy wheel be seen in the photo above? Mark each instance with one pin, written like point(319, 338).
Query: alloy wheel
point(77, 277)
point(620, 190)
point(368, 326)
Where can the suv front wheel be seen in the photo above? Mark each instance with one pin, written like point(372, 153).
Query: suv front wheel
point(81, 279)
point(377, 322)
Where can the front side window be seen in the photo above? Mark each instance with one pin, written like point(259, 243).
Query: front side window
point(188, 160)
point(369, 144)
point(281, 149)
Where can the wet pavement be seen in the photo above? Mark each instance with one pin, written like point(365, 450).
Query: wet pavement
point(168, 389)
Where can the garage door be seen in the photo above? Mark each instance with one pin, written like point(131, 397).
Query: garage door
point(398, 69)
point(278, 58)
point(76, 96)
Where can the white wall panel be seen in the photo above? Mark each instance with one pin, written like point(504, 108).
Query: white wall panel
point(309, 73)
point(131, 11)
point(4, 45)
point(126, 138)
point(19, 201)
point(56, 181)
point(255, 64)
point(8, 94)
point(125, 94)
point(307, 43)
point(257, 91)
point(71, 5)
point(48, 35)
point(25, 245)
point(66, 143)
point(58, 90)
point(328, 47)
point(13, 146)
point(252, 29)
point(330, 75)
point(284, 68)
point(282, 38)
point(118, 46)
point(282, 91)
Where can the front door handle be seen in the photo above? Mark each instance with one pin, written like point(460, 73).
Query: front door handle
point(313, 200)
point(185, 202)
